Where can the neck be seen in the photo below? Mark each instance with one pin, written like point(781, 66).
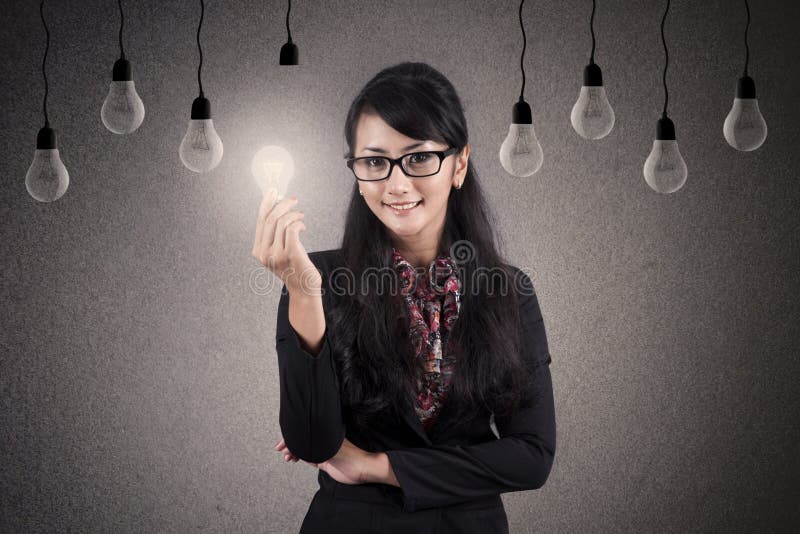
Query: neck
point(418, 254)
point(418, 259)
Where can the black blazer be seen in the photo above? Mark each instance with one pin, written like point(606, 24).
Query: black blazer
point(451, 477)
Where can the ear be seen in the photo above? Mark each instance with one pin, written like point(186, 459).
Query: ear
point(460, 170)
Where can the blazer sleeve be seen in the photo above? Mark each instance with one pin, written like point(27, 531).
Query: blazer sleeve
point(521, 459)
point(310, 408)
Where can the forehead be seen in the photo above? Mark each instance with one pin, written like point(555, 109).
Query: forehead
point(372, 131)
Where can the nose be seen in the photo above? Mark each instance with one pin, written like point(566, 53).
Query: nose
point(398, 182)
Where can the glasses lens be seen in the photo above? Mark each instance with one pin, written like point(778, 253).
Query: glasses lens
point(421, 163)
point(371, 168)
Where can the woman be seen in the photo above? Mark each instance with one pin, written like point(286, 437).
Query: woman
point(413, 361)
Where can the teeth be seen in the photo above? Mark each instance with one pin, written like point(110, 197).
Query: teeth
point(405, 206)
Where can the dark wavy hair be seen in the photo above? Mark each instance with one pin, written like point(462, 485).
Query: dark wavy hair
point(370, 332)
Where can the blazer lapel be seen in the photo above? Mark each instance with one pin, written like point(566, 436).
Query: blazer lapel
point(438, 427)
point(410, 417)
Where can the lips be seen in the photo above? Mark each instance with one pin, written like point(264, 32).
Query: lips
point(398, 211)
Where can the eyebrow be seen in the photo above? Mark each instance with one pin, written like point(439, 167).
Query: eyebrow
point(382, 151)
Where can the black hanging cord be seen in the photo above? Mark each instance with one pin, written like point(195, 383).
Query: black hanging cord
point(287, 21)
point(121, 24)
point(666, 63)
point(747, 48)
point(591, 27)
point(200, 66)
point(522, 57)
point(44, 61)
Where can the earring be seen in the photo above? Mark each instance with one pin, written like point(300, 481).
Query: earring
point(458, 186)
point(362, 193)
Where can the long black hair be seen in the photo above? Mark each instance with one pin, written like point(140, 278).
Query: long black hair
point(370, 332)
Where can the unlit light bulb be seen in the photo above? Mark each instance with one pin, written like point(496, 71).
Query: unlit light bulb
point(521, 154)
point(592, 116)
point(123, 110)
point(745, 128)
point(664, 169)
point(273, 168)
point(201, 148)
point(47, 178)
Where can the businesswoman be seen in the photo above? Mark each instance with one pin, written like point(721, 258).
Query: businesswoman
point(413, 360)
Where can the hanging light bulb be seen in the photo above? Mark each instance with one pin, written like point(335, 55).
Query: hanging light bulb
point(289, 50)
point(521, 154)
point(664, 169)
point(201, 148)
point(744, 128)
point(123, 110)
point(273, 168)
point(592, 116)
point(47, 178)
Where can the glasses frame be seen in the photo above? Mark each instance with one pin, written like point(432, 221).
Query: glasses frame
point(442, 154)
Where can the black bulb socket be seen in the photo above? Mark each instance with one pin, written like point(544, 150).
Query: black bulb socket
point(122, 71)
point(745, 87)
point(592, 75)
point(665, 130)
point(521, 113)
point(289, 54)
point(201, 108)
point(46, 139)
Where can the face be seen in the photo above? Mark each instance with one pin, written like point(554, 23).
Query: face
point(417, 231)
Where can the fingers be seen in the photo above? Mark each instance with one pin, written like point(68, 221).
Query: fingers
point(286, 233)
point(281, 445)
point(267, 203)
point(270, 224)
point(268, 215)
point(293, 229)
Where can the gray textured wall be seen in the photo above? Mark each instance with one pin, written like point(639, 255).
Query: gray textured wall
point(139, 378)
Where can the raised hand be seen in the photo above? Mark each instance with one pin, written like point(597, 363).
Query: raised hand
point(277, 245)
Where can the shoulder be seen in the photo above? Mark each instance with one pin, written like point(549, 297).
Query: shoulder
point(516, 282)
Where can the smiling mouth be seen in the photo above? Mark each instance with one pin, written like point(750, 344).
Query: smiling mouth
point(403, 207)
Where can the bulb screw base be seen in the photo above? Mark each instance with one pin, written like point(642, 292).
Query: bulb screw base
point(592, 75)
point(122, 71)
point(665, 130)
point(289, 54)
point(46, 139)
point(201, 108)
point(521, 113)
point(745, 87)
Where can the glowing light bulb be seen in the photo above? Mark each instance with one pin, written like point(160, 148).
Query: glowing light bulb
point(745, 128)
point(47, 178)
point(592, 116)
point(273, 167)
point(665, 170)
point(123, 110)
point(201, 148)
point(521, 154)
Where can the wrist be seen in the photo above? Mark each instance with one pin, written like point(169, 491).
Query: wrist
point(379, 469)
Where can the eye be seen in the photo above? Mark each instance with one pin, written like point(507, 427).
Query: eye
point(419, 157)
point(374, 162)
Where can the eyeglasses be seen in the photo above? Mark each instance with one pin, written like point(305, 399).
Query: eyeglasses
point(414, 164)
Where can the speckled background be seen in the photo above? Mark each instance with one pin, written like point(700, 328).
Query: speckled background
point(139, 377)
